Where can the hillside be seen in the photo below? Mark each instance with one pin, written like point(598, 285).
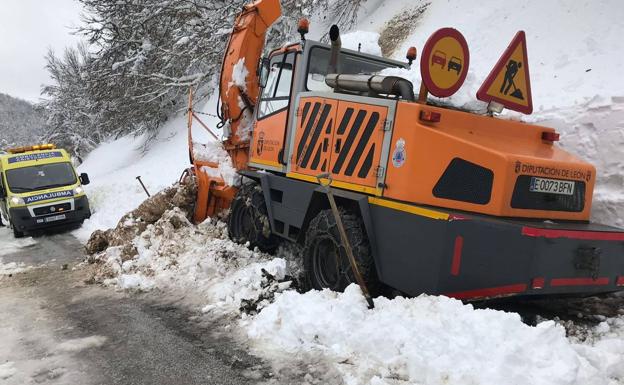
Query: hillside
point(20, 122)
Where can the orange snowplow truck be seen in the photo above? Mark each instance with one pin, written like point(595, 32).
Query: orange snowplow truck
point(434, 200)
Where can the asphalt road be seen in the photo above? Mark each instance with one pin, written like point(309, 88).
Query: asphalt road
point(56, 329)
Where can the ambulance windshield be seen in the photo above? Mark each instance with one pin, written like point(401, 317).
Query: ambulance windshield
point(40, 177)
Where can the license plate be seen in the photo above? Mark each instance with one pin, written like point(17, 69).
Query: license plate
point(552, 186)
point(55, 218)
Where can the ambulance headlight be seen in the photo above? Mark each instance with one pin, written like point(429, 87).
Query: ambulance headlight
point(78, 190)
point(17, 201)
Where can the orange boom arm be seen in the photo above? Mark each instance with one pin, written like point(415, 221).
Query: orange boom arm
point(238, 94)
point(239, 86)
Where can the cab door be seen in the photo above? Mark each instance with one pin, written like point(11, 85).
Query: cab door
point(314, 131)
point(269, 129)
point(357, 143)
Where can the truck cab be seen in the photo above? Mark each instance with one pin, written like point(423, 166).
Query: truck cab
point(40, 188)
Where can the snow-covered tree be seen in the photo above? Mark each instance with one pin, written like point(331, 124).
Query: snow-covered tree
point(142, 57)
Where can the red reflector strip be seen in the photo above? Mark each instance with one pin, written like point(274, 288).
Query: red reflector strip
point(489, 292)
point(430, 116)
point(620, 281)
point(457, 251)
point(550, 136)
point(579, 281)
point(538, 283)
point(573, 234)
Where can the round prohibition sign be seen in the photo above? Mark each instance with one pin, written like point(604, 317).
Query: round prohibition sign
point(444, 62)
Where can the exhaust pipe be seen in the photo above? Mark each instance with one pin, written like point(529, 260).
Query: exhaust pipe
point(336, 45)
point(379, 84)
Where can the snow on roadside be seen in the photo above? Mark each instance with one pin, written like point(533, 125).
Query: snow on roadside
point(427, 340)
point(174, 254)
point(10, 244)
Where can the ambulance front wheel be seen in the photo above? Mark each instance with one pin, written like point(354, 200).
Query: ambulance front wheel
point(16, 232)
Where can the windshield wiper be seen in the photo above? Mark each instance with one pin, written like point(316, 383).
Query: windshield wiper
point(20, 189)
point(53, 185)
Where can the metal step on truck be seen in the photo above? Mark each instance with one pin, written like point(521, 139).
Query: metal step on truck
point(432, 199)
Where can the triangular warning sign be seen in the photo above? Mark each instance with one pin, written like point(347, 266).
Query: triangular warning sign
point(509, 82)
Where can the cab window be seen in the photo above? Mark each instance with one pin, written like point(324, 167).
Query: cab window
point(276, 95)
point(318, 65)
point(40, 177)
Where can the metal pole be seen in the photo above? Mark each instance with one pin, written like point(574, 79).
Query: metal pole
point(142, 185)
point(325, 187)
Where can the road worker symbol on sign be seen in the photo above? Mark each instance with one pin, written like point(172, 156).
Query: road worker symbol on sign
point(444, 62)
point(509, 83)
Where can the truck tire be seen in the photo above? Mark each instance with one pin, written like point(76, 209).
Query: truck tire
point(325, 260)
point(248, 220)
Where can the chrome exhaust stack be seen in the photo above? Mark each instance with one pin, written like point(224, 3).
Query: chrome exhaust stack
point(377, 84)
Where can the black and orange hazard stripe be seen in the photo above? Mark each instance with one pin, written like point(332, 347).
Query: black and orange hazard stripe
point(347, 150)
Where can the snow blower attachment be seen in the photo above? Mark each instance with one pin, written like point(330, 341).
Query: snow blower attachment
point(238, 94)
point(430, 199)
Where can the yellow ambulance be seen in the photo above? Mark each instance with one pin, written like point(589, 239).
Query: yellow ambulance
point(40, 188)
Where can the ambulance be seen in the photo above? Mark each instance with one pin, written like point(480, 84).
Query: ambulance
point(40, 189)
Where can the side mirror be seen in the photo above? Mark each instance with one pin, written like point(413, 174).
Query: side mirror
point(84, 178)
point(264, 69)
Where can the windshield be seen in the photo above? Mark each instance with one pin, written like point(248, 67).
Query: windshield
point(40, 177)
point(349, 64)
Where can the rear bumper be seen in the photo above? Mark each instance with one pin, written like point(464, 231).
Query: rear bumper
point(473, 257)
point(23, 221)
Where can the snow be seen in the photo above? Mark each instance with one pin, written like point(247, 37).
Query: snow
point(200, 260)
point(239, 76)
point(214, 152)
point(363, 40)
point(424, 340)
point(78, 344)
point(7, 370)
point(114, 166)
point(10, 244)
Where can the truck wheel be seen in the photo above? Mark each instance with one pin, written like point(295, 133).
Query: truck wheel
point(248, 220)
point(325, 260)
point(16, 232)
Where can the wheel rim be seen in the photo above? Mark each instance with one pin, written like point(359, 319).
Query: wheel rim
point(327, 266)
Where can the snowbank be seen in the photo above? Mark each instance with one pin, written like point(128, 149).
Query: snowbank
point(173, 254)
point(429, 340)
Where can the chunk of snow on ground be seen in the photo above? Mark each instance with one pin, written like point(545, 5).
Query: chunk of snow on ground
point(134, 282)
point(12, 267)
point(10, 244)
point(7, 370)
point(78, 344)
